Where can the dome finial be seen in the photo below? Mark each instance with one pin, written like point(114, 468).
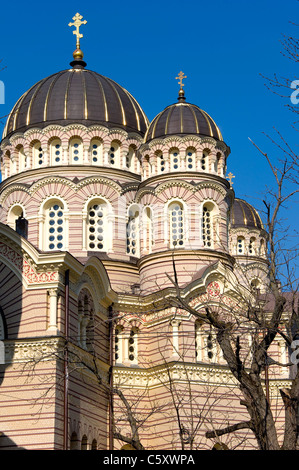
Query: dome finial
point(180, 77)
point(78, 61)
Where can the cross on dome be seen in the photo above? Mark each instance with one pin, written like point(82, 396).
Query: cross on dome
point(180, 78)
point(78, 54)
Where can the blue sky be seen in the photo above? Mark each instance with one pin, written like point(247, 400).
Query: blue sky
point(222, 46)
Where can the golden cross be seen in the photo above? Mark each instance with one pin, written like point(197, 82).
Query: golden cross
point(230, 177)
point(77, 23)
point(180, 77)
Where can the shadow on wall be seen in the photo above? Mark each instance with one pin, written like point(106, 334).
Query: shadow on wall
point(11, 299)
point(8, 444)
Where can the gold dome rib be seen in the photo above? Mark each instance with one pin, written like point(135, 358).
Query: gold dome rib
point(206, 116)
point(195, 118)
point(167, 120)
point(134, 107)
point(85, 96)
point(32, 99)
point(120, 103)
point(66, 94)
point(48, 94)
point(104, 97)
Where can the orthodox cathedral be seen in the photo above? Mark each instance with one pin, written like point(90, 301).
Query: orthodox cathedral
point(103, 216)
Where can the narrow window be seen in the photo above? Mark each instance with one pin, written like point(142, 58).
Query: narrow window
point(96, 152)
point(204, 160)
point(118, 345)
point(76, 151)
point(38, 155)
point(251, 247)
point(55, 227)
point(207, 229)
point(97, 214)
point(133, 232)
point(161, 163)
point(240, 245)
point(176, 224)
point(132, 346)
point(55, 152)
point(175, 160)
point(190, 160)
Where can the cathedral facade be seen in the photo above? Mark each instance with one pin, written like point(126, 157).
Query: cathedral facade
point(104, 216)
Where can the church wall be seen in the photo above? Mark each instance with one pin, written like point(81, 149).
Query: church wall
point(30, 409)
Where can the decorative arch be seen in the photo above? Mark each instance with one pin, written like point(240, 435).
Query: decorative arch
point(98, 224)
point(53, 224)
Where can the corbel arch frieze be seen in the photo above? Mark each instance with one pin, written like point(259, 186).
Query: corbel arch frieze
point(211, 185)
point(145, 192)
point(173, 183)
point(15, 188)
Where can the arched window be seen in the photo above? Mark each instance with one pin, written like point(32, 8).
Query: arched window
point(96, 150)
point(86, 321)
point(148, 235)
point(210, 346)
point(252, 246)
point(96, 225)
point(217, 162)
point(176, 224)
point(76, 151)
point(207, 225)
point(175, 160)
point(262, 247)
point(256, 285)
point(113, 154)
point(84, 443)
point(74, 442)
point(133, 346)
point(133, 230)
point(15, 212)
point(240, 245)
point(161, 163)
point(190, 160)
point(38, 155)
point(94, 445)
point(118, 344)
point(55, 152)
point(23, 161)
point(198, 341)
point(54, 232)
point(130, 159)
point(205, 160)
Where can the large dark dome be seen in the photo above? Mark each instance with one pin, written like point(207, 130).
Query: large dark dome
point(76, 95)
point(244, 215)
point(182, 118)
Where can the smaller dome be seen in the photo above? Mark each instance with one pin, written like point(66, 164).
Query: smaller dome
point(244, 215)
point(182, 118)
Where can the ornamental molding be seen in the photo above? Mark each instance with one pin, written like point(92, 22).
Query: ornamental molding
point(261, 266)
point(25, 266)
point(209, 185)
point(31, 350)
point(12, 189)
point(168, 184)
point(94, 179)
point(215, 375)
point(58, 179)
point(153, 377)
point(51, 349)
